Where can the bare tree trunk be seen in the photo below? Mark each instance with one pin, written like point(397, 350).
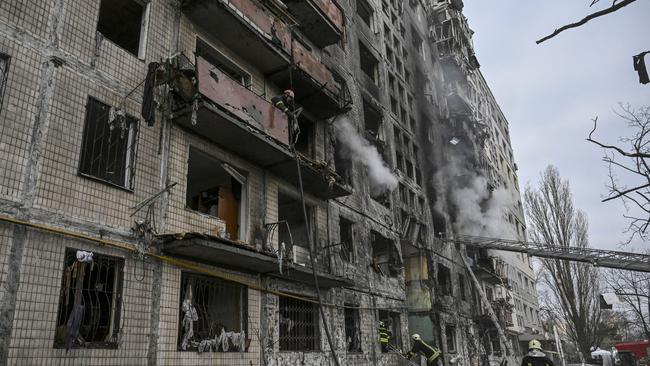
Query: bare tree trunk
point(574, 287)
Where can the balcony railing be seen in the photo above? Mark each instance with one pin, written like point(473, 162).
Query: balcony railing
point(247, 28)
point(320, 20)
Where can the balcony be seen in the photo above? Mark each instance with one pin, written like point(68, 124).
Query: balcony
point(212, 250)
point(458, 100)
point(485, 269)
point(245, 27)
point(320, 20)
point(240, 121)
point(316, 89)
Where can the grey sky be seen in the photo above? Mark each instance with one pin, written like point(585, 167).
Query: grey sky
point(550, 92)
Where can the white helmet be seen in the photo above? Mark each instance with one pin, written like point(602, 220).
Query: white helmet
point(416, 337)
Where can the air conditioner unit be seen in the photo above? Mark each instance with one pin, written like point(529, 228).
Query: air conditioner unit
point(301, 256)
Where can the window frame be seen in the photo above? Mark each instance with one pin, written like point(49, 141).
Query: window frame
point(450, 332)
point(130, 155)
point(116, 306)
point(351, 311)
point(315, 338)
point(144, 29)
point(4, 76)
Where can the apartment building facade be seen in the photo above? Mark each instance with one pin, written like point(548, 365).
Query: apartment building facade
point(144, 132)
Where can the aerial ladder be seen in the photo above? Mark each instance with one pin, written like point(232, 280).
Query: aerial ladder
point(597, 257)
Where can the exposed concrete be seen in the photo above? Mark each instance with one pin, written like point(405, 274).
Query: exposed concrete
point(154, 320)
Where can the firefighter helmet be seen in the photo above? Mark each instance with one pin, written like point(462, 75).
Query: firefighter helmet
point(289, 93)
point(416, 337)
point(534, 344)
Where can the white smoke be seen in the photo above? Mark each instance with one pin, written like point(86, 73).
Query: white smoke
point(479, 211)
point(356, 148)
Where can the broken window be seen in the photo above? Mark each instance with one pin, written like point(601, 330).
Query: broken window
point(399, 161)
point(365, 12)
point(444, 279)
point(4, 74)
point(495, 342)
point(299, 328)
point(439, 225)
point(450, 336)
point(352, 328)
point(343, 165)
point(392, 322)
point(461, 287)
point(368, 62)
point(346, 238)
point(91, 291)
point(371, 119)
point(217, 189)
point(290, 210)
point(305, 141)
point(213, 314)
point(385, 257)
point(418, 177)
point(124, 22)
point(109, 145)
point(409, 169)
point(221, 62)
point(393, 106)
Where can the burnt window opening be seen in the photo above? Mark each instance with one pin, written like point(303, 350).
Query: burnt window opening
point(399, 161)
point(299, 326)
point(124, 22)
point(352, 328)
point(495, 342)
point(306, 137)
point(422, 235)
point(393, 106)
point(290, 210)
point(409, 169)
point(212, 314)
point(385, 257)
point(444, 279)
point(383, 198)
point(94, 292)
point(461, 287)
point(418, 176)
point(371, 119)
point(391, 320)
point(5, 61)
point(439, 225)
point(221, 62)
point(403, 194)
point(421, 203)
point(346, 238)
point(217, 189)
point(343, 164)
point(450, 336)
point(368, 63)
point(109, 145)
point(366, 13)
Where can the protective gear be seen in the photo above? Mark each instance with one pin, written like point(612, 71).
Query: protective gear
point(420, 347)
point(536, 358)
point(384, 336)
point(289, 94)
point(534, 344)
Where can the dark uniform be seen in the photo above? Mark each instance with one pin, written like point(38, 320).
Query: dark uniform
point(384, 337)
point(420, 347)
point(536, 359)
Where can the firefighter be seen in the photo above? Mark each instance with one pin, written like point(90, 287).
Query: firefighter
point(384, 336)
point(421, 347)
point(284, 102)
point(287, 104)
point(535, 356)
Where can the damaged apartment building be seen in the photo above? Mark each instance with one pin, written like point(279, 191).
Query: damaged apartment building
point(159, 206)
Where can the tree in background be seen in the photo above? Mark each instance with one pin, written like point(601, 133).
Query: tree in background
point(573, 287)
point(629, 158)
point(633, 290)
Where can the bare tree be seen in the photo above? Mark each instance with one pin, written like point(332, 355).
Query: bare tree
point(633, 290)
point(630, 158)
point(574, 287)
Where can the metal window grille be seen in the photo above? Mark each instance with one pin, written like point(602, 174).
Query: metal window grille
point(299, 328)
point(5, 60)
point(221, 306)
point(352, 329)
point(109, 147)
point(97, 287)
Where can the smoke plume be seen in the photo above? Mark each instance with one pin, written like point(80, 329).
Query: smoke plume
point(356, 148)
point(479, 211)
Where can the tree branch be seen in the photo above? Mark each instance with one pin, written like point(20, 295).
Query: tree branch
point(589, 17)
point(623, 193)
point(619, 150)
